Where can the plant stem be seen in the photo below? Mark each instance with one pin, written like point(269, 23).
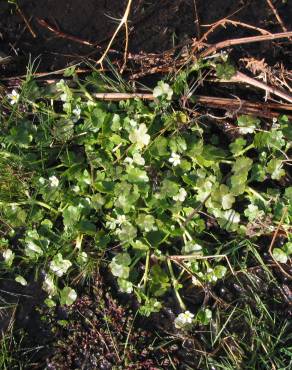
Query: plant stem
point(174, 284)
point(145, 276)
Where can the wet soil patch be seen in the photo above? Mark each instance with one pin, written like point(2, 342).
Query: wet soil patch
point(154, 28)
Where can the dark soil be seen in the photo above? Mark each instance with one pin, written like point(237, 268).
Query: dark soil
point(155, 26)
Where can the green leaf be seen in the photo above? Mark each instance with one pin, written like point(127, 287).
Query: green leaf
point(86, 227)
point(119, 270)
point(237, 146)
point(22, 135)
point(288, 194)
point(150, 306)
point(280, 255)
point(21, 280)
point(140, 246)
point(159, 147)
point(127, 233)
point(177, 144)
point(169, 188)
point(258, 172)
point(221, 197)
point(225, 71)
point(274, 168)
point(67, 296)
point(123, 259)
point(247, 124)
point(69, 71)
point(272, 139)
point(204, 316)
point(145, 222)
point(59, 266)
point(136, 175)
point(252, 212)
point(71, 216)
point(63, 130)
point(125, 286)
point(159, 281)
point(192, 248)
point(288, 248)
point(242, 165)
point(220, 271)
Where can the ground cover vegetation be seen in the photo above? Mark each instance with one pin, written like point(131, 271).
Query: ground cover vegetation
point(149, 234)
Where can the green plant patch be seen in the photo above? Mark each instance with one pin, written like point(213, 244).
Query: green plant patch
point(140, 187)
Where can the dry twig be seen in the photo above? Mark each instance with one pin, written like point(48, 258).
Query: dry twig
point(273, 241)
point(124, 21)
point(274, 10)
point(243, 40)
point(26, 22)
point(241, 77)
point(197, 23)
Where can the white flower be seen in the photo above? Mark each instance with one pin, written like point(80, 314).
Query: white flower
point(112, 224)
point(247, 130)
point(76, 111)
point(76, 188)
point(121, 219)
point(64, 97)
point(181, 196)
point(139, 136)
point(163, 89)
point(183, 319)
point(129, 160)
point(42, 180)
point(137, 158)
point(8, 256)
point(14, 97)
point(54, 181)
point(49, 286)
point(133, 123)
point(174, 159)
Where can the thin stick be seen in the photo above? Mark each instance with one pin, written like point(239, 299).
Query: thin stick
point(126, 48)
point(234, 102)
point(63, 35)
point(192, 256)
point(123, 96)
point(214, 26)
point(243, 40)
point(123, 21)
point(243, 106)
point(241, 77)
point(197, 23)
point(26, 22)
point(274, 10)
point(273, 241)
point(222, 23)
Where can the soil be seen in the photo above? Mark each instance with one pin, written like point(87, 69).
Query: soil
point(155, 26)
